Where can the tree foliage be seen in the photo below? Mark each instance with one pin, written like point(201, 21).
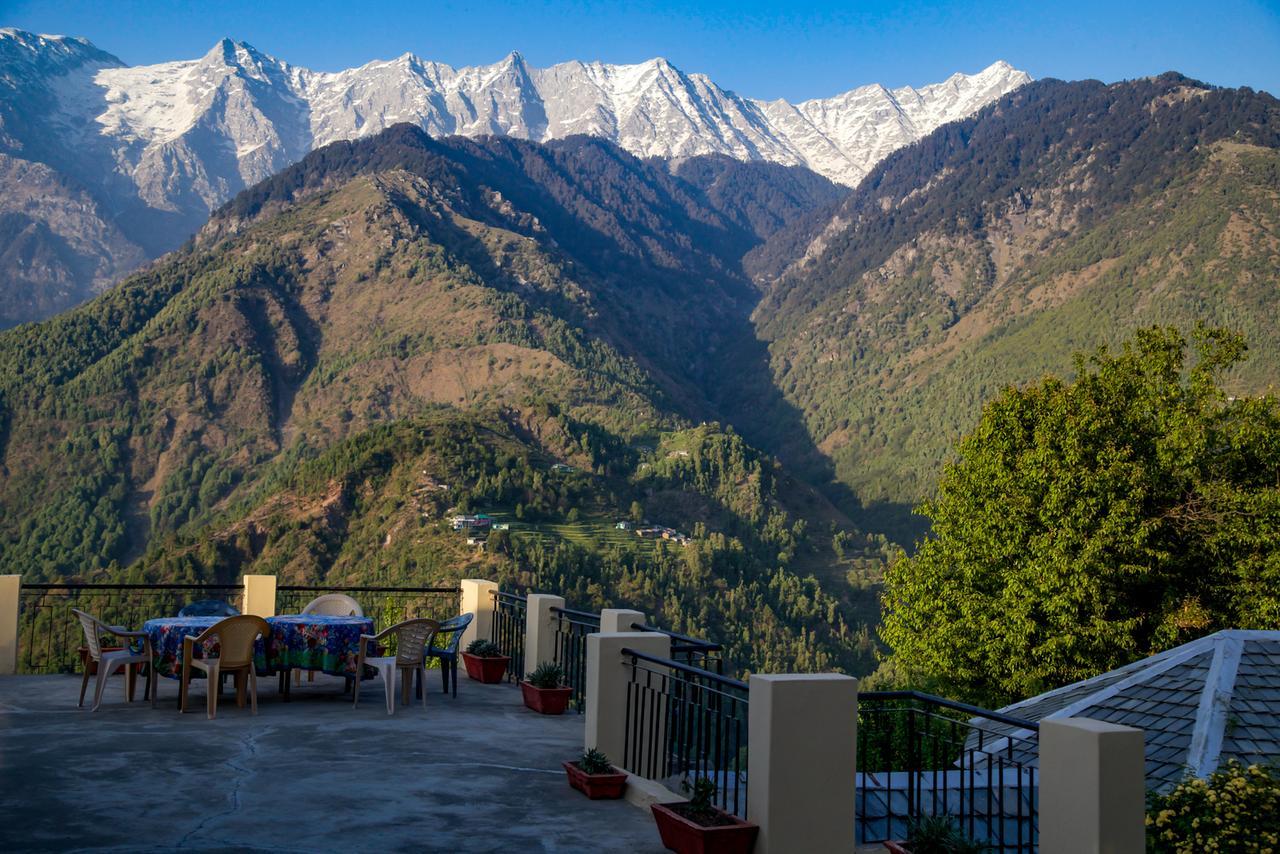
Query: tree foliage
point(1085, 524)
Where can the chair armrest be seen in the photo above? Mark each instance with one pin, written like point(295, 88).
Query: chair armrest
point(207, 634)
point(380, 635)
point(121, 632)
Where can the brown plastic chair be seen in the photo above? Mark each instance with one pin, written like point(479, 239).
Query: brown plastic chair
point(110, 661)
point(235, 636)
point(413, 638)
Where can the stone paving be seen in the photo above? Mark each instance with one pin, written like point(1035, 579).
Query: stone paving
point(476, 773)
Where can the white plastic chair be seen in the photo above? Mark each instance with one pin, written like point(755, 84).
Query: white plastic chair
point(111, 661)
point(413, 637)
point(334, 605)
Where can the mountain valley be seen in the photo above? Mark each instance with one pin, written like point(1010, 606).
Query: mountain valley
point(609, 322)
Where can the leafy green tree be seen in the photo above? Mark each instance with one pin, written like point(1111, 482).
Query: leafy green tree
point(1085, 524)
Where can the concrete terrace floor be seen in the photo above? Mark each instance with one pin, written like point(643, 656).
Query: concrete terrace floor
point(479, 773)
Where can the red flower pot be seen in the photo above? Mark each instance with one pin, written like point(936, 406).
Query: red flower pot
point(685, 836)
point(897, 848)
point(546, 701)
point(486, 670)
point(597, 787)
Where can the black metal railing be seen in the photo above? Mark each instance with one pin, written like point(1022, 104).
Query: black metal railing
point(386, 606)
point(692, 651)
point(684, 723)
point(50, 636)
point(572, 628)
point(921, 755)
point(510, 612)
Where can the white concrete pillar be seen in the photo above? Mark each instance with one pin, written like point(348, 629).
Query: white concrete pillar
point(802, 737)
point(10, 595)
point(259, 595)
point(1092, 788)
point(477, 598)
point(608, 672)
point(620, 620)
point(540, 630)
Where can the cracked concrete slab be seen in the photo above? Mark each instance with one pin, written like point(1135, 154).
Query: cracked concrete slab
point(479, 773)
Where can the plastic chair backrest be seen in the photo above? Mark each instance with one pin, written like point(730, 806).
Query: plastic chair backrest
point(334, 605)
point(454, 627)
point(208, 608)
point(92, 627)
point(235, 638)
point(412, 639)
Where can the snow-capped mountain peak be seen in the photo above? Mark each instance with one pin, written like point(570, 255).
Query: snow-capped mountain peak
point(186, 135)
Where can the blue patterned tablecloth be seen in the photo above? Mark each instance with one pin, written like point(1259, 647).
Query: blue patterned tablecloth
point(316, 642)
point(307, 642)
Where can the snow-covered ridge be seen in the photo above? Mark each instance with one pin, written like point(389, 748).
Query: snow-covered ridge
point(189, 134)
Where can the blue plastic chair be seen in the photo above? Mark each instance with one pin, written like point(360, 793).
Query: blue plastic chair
point(450, 632)
point(208, 608)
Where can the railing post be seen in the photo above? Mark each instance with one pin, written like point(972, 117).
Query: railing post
point(802, 741)
point(608, 674)
point(477, 598)
point(259, 595)
point(1092, 788)
point(10, 596)
point(620, 620)
point(540, 629)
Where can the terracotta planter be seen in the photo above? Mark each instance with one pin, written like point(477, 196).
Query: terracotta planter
point(684, 836)
point(486, 670)
point(546, 701)
point(897, 848)
point(597, 787)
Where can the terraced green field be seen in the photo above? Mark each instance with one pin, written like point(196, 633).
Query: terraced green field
point(595, 534)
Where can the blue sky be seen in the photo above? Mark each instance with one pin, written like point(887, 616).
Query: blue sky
point(794, 50)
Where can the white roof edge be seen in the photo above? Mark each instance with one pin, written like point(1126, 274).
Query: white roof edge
point(1215, 703)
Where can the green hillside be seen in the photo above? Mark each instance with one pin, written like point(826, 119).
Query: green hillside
point(280, 395)
point(1059, 219)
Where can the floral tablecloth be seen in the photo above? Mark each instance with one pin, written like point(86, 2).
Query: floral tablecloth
point(307, 642)
point(317, 642)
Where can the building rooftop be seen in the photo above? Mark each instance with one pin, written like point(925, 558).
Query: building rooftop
point(476, 773)
point(1202, 703)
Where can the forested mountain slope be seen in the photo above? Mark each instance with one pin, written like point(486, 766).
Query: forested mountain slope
point(1058, 218)
point(402, 312)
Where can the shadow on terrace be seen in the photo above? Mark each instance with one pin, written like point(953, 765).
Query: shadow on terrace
point(475, 773)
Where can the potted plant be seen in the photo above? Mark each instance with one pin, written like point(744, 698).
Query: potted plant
point(544, 689)
point(936, 834)
point(698, 827)
point(485, 662)
point(595, 776)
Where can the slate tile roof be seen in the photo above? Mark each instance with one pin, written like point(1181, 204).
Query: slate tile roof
point(1202, 703)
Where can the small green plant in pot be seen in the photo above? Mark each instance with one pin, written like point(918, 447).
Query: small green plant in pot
point(698, 826)
point(595, 776)
point(936, 834)
point(544, 689)
point(485, 662)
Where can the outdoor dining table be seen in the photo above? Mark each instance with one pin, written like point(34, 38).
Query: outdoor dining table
point(304, 641)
